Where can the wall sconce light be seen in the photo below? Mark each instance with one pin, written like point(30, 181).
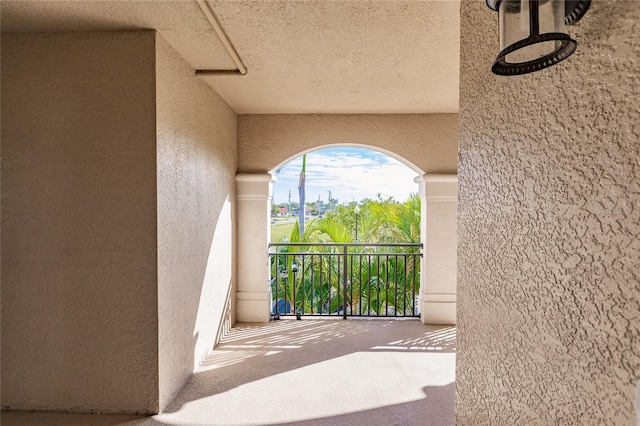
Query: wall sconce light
point(533, 34)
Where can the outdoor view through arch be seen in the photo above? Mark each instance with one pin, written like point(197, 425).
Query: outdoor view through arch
point(345, 235)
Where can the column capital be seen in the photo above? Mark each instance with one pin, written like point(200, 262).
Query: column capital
point(254, 186)
point(441, 187)
point(255, 177)
point(442, 178)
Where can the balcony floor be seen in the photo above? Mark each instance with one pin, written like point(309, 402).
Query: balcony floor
point(311, 372)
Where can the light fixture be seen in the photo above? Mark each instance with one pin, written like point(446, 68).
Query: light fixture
point(533, 34)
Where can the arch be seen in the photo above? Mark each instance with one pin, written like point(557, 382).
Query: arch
point(391, 154)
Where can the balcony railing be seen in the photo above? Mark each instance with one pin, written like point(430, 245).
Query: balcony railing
point(375, 280)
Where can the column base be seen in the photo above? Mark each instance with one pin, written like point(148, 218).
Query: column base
point(253, 307)
point(438, 309)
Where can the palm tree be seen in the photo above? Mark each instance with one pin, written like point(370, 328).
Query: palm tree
point(301, 191)
point(315, 286)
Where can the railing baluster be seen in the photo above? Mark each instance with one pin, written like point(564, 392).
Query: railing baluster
point(277, 279)
point(344, 289)
point(293, 288)
point(378, 280)
point(395, 285)
point(360, 283)
point(312, 274)
point(304, 290)
point(328, 286)
point(350, 258)
point(404, 291)
point(368, 284)
point(386, 288)
point(413, 278)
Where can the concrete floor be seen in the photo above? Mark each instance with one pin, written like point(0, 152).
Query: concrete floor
point(309, 372)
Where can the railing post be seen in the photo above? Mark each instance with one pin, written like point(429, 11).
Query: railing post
point(344, 284)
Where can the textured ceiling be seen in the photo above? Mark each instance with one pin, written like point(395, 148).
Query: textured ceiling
point(302, 56)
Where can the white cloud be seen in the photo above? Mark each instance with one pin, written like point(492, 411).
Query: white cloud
point(350, 174)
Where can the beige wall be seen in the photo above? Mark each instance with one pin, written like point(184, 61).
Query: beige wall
point(428, 141)
point(197, 161)
point(118, 260)
point(549, 218)
point(79, 301)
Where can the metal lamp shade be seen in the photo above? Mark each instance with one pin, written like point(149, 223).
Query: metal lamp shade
point(532, 35)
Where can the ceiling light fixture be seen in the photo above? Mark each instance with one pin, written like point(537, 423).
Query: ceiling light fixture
point(533, 34)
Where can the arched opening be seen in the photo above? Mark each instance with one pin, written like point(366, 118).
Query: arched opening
point(434, 299)
point(358, 251)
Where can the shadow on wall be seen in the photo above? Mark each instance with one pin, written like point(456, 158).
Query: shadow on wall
point(196, 278)
point(226, 320)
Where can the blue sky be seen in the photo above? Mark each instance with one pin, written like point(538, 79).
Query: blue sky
point(350, 174)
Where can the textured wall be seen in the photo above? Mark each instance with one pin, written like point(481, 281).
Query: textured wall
point(79, 320)
point(429, 141)
point(342, 56)
point(549, 218)
point(441, 264)
point(197, 161)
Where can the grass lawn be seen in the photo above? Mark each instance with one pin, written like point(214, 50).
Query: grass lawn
point(283, 229)
point(280, 230)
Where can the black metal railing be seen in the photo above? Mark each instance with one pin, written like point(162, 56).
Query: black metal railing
point(345, 279)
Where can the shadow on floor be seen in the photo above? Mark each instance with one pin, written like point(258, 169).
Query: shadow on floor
point(309, 372)
point(280, 346)
point(435, 403)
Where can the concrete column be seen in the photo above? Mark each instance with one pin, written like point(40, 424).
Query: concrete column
point(254, 192)
point(438, 279)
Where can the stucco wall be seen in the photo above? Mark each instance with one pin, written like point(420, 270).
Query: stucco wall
point(197, 161)
point(428, 141)
point(79, 318)
point(549, 219)
point(441, 265)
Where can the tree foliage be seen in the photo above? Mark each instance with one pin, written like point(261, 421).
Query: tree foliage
point(379, 221)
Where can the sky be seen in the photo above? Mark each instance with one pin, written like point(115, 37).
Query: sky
point(351, 174)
